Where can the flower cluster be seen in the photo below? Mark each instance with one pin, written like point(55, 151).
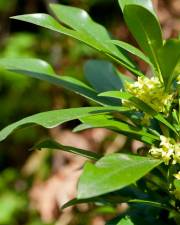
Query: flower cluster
point(150, 91)
point(169, 151)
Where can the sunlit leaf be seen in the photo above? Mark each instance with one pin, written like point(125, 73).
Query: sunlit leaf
point(147, 4)
point(125, 221)
point(27, 64)
point(54, 118)
point(47, 21)
point(144, 25)
point(79, 20)
point(112, 173)
point(169, 59)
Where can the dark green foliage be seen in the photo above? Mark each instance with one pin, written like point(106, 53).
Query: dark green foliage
point(115, 172)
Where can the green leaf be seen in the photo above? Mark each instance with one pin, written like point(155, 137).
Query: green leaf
point(27, 64)
point(102, 76)
point(177, 184)
point(150, 37)
point(51, 144)
point(108, 122)
point(41, 70)
point(169, 59)
point(144, 3)
point(125, 221)
point(79, 20)
point(82, 127)
point(47, 21)
point(80, 201)
point(140, 105)
point(123, 195)
point(145, 27)
point(150, 203)
point(54, 118)
point(127, 96)
point(131, 49)
point(164, 121)
point(88, 38)
point(113, 172)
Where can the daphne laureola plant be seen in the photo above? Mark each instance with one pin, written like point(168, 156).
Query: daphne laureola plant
point(145, 108)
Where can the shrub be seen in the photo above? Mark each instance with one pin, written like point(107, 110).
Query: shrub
point(145, 109)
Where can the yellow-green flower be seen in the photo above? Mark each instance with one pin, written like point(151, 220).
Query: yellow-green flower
point(168, 151)
point(152, 92)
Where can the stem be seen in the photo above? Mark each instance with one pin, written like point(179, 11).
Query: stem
point(170, 177)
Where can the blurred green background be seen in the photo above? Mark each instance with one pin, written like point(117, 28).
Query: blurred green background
point(21, 96)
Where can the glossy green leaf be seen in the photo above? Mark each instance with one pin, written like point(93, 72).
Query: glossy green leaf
point(102, 76)
point(145, 3)
point(29, 64)
point(131, 49)
point(51, 144)
point(113, 172)
point(108, 122)
point(141, 20)
point(169, 59)
point(54, 118)
point(79, 20)
point(140, 105)
point(41, 70)
point(49, 22)
point(145, 27)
